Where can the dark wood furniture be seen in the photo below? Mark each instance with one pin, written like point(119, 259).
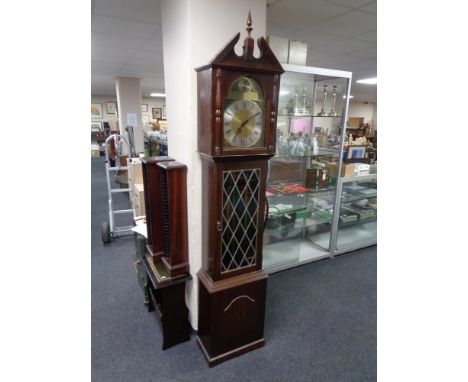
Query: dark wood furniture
point(237, 108)
point(166, 254)
point(167, 300)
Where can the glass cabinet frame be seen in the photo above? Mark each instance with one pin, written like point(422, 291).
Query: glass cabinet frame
point(371, 237)
point(327, 247)
point(313, 79)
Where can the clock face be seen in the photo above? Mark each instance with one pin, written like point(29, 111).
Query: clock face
point(243, 124)
point(244, 117)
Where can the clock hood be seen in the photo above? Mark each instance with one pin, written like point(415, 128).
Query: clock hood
point(227, 58)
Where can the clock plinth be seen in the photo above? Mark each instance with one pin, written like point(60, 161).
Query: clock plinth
point(231, 315)
point(237, 108)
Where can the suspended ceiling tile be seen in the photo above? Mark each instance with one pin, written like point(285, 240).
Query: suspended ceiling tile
point(303, 12)
point(371, 8)
point(345, 46)
point(316, 55)
point(154, 43)
point(368, 36)
point(349, 24)
point(351, 3)
point(119, 42)
point(313, 38)
point(341, 60)
point(369, 63)
point(368, 53)
point(138, 10)
point(274, 28)
point(106, 59)
point(112, 51)
point(142, 68)
point(107, 68)
point(123, 27)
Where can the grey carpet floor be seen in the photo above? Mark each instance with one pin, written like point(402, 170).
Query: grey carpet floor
point(320, 325)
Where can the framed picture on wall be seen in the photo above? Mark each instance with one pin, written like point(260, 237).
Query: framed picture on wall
point(164, 111)
point(96, 126)
point(111, 107)
point(96, 110)
point(145, 119)
point(144, 108)
point(156, 113)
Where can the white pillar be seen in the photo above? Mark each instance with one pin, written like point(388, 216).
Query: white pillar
point(129, 105)
point(193, 33)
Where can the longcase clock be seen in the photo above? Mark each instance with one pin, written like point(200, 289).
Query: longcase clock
point(237, 106)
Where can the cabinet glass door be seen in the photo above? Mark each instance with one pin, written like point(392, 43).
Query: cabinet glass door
point(302, 180)
point(357, 224)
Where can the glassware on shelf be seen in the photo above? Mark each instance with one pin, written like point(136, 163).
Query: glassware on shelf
point(300, 105)
point(282, 144)
point(332, 111)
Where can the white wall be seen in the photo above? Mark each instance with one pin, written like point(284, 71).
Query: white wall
point(193, 33)
point(360, 109)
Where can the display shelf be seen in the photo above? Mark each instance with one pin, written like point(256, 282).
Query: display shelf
point(311, 192)
point(298, 225)
point(349, 198)
point(357, 222)
point(285, 254)
point(357, 235)
point(309, 116)
point(349, 236)
point(302, 132)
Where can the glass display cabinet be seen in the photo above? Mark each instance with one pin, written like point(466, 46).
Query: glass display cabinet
point(356, 224)
point(303, 175)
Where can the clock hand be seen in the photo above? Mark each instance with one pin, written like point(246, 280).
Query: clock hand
point(239, 129)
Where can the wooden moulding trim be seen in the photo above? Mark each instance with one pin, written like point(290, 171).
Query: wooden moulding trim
point(218, 286)
point(155, 160)
point(149, 248)
point(213, 361)
point(174, 267)
point(236, 157)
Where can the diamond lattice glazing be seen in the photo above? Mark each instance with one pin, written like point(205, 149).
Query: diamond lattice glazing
point(240, 212)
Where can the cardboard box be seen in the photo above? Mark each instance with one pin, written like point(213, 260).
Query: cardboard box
point(280, 47)
point(297, 52)
point(135, 172)
point(139, 199)
point(347, 169)
point(284, 170)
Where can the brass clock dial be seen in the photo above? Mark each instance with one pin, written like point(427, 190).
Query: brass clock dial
point(243, 123)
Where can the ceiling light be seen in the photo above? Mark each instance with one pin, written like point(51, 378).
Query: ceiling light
point(284, 92)
point(351, 96)
point(157, 94)
point(368, 81)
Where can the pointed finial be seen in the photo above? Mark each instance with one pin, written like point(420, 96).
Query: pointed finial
point(249, 24)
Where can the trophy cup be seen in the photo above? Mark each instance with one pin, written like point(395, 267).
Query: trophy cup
point(323, 113)
point(332, 111)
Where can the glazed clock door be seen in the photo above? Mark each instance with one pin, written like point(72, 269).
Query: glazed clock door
point(242, 206)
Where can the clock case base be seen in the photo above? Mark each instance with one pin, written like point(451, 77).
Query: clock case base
point(231, 315)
